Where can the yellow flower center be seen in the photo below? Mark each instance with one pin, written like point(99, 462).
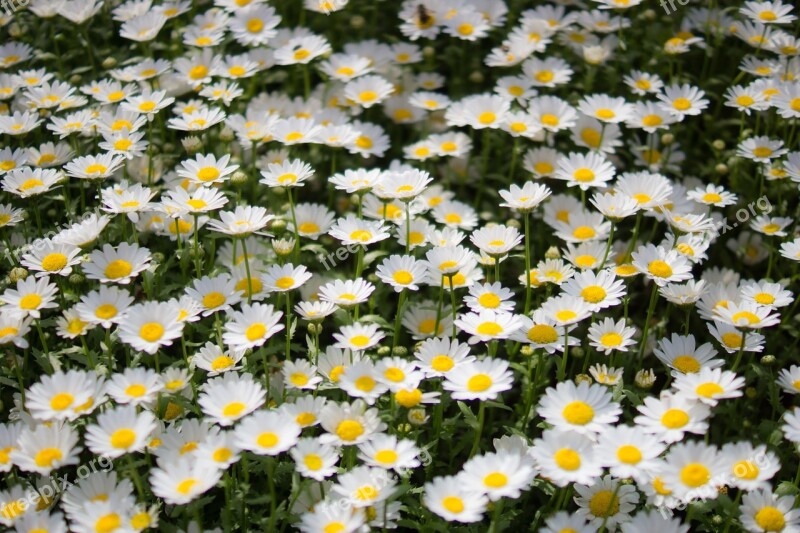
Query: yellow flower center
point(442, 363)
point(611, 340)
point(542, 334)
point(489, 328)
point(267, 439)
point(770, 519)
point(108, 523)
point(255, 331)
point(479, 383)
point(495, 480)
point(151, 331)
point(487, 117)
point(54, 262)
point(386, 457)
point(584, 175)
point(349, 430)
point(118, 268)
point(681, 104)
point(578, 413)
point(61, 401)
point(567, 459)
point(604, 504)
point(30, 301)
point(629, 455)
point(686, 364)
point(213, 299)
point(365, 383)
point(695, 475)
point(674, 418)
point(47, 456)
point(659, 269)
point(453, 504)
point(123, 439)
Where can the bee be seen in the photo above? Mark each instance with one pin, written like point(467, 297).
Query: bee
point(424, 16)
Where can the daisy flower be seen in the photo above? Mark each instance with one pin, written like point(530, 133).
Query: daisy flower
point(206, 169)
point(566, 458)
point(300, 375)
point(231, 397)
point(151, 325)
point(30, 298)
point(584, 409)
point(242, 221)
point(252, 326)
point(607, 336)
point(50, 258)
point(180, 481)
point(136, 386)
point(60, 396)
point(660, 265)
point(747, 315)
point(709, 385)
point(440, 355)
point(629, 452)
point(290, 173)
point(751, 467)
point(683, 100)
point(448, 498)
point(732, 338)
point(267, 433)
point(44, 448)
point(352, 230)
point(346, 294)
point(671, 416)
point(682, 354)
point(215, 361)
point(349, 423)
point(283, 278)
point(606, 502)
point(358, 337)
point(487, 325)
point(694, 470)
point(367, 91)
point(332, 515)
point(390, 453)
point(498, 475)
point(478, 380)
point(314, 459)
point(585, 170)
point(117, 265)
point(119, 431)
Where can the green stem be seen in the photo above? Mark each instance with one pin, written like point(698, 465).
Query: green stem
point(479, 430)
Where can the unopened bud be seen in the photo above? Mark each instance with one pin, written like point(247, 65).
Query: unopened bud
point(76, 278)
point(75, 79)
point(476, 76)
point(192, 144)
point(17, 274)
point(384, 351)
point(667, 139)
point(158, 257)
point(226, 134)
point(552, 253)
point(109, 62)
point(583, 378)
point(645, 379)
point(526, 351)
point(312, 328)
point(722, 169)
point(283, 247)
point(719, 144)
point(400, 351)
point(239, 177)
point(417, 416)
point(751, 392)
point(357, 22)
point(278, 225)
point(768, 360)
point(513, 223)
point(649, 14)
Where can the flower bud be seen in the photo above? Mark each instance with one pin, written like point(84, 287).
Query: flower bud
point(721, 169)
point(384, 351)
point(357, 22)
point(645, 379)
point(719, 144)
point(192, 144)
point(226, 134)
point(768, 360)
point(667, 139)
point(417, 417)
point(109, 62)
point(239, 178)
point(400, 351)
point(17, 274)
point(552, 253)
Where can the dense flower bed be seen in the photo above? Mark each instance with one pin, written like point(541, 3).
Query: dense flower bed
point(437, 265)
